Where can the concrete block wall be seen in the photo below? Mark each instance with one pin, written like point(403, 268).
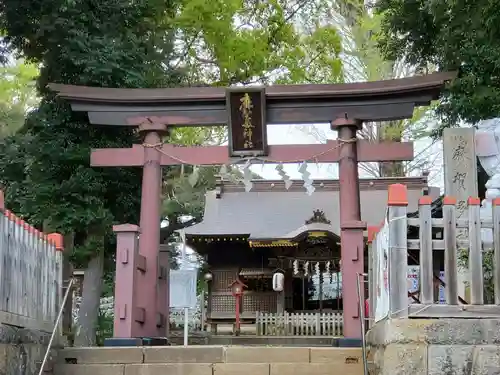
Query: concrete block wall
point(209, 360)
point(435, 347)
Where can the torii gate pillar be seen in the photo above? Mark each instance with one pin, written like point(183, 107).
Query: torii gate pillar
point(351, 226)
point(141, 293)
point(153, 284)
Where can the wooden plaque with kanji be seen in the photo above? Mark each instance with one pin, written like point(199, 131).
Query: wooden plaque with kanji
point(246, 109)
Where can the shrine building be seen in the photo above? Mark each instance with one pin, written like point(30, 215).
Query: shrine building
point(248, 236)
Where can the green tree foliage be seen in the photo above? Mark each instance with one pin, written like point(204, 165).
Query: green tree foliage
point(47, 172)
point(235, 42)
point(362, 60)
point(225, 42)
point(17, 94)
point(460, 35)
point(110, 45)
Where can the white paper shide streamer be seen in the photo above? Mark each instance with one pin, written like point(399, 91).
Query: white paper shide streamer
point(247, 176)
point(306, 177)
point(194, 176)
point(284, 176)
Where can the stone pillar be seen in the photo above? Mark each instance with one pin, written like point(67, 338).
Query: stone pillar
point(460, 180)
point(130, 267)
point(149, 240)
point(351, 226)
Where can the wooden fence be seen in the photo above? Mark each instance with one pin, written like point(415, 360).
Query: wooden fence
point(30, 273)
point(388, 283)
point(299, 324)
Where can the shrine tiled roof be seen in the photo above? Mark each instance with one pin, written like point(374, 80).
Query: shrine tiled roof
point(277, 213)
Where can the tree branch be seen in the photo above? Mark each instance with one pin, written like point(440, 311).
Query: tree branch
point(166, 232)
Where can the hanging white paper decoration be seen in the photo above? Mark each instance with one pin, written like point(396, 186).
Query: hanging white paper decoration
point(316, 268)
point(327, 267)
point(247, 176)
point(310, 189)
point(306, 269)
point(284, 176)
point(302, 167)
point(223, 172)
point(194, 177)
point(295, 267)
point(306, 177)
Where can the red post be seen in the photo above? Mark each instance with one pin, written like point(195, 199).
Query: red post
point(149, 240)
point(237, 290)
point(238, 297)
point(351, 226)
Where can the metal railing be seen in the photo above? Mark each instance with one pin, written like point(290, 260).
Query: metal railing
point(56, 325)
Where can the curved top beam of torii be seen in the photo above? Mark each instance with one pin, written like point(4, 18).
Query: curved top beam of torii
point(298, 104)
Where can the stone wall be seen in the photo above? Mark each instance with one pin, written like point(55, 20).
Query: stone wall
point(21, 350)
point(435, 347)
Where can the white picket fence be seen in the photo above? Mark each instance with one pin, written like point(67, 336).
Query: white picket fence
point(459, 229)
point(299, 324)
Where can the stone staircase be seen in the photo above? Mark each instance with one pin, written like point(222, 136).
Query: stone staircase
point(209, 360)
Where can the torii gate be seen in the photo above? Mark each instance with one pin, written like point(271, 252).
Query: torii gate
point(141, 302)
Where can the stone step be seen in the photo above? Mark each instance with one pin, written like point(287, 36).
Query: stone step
point(208, 354)
point(296, 368)
point(209, 360)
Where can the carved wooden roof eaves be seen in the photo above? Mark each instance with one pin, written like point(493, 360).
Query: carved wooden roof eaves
point(314, 227)
point(226, 187)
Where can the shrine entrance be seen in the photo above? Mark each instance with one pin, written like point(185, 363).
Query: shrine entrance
point(246, 111)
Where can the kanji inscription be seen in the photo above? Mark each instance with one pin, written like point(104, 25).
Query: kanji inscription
point(460, 173)
point(246, 109)
point(460, 167)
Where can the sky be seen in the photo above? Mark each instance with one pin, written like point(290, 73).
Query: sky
point(425, 150)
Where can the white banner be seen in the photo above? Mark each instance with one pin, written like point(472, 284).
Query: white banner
point(382, 272)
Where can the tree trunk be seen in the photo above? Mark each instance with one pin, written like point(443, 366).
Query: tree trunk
point(391, 131)
point(89, 306)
